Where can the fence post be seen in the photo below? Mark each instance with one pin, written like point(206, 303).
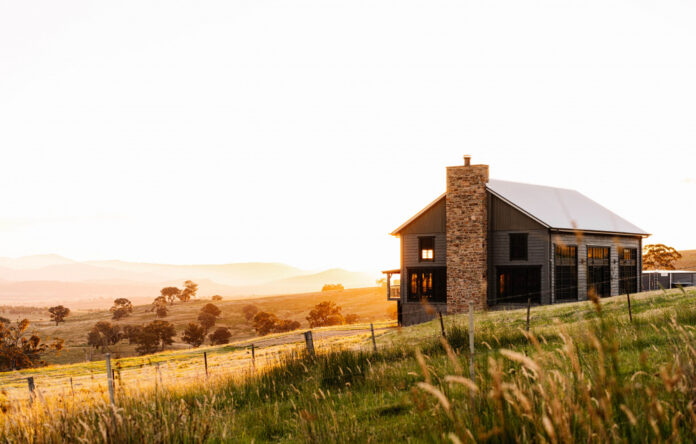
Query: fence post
point(529, 307)
point(471, 340)
point(110, 378)
point(630, 315)
point(442, 324)
point(309, 341)
point(72, 388)
point(253, 356)
point(30, 383)
point(374, 343)
point(205, 361)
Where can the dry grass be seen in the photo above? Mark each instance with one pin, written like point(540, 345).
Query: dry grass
point(369, 303)
point(584, 374)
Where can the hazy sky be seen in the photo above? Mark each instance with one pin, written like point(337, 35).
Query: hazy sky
point(305, 131)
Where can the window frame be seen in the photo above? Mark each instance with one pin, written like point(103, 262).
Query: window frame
point(512, 246)
point(437, 288)
point(421, 248)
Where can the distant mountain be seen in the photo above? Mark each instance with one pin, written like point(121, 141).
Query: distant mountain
point(248, 273)
point(42, 280)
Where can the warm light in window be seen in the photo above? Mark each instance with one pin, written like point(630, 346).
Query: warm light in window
point(427, 254)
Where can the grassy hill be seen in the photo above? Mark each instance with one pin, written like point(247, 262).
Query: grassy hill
point(368, 303)
point(688, 260)
point(584, 373)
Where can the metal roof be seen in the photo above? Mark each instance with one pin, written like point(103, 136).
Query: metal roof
point(555, 208)
point(560, 208)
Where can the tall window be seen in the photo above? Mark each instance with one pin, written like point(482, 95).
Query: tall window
point(628, 270)
point(518, 246)
point(426, 247)
point(427, 284)
point(566, 272)
point(598, 273)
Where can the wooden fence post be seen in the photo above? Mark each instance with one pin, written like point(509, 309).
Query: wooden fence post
point(310, 342)
point(253, 356)
point(374, 343)
point(32, 387)
point(630, 315)
point(529, 307)
point(72, 388)
point(442, 324)
point(471, 340)
point(205, 361)
point(110, 378)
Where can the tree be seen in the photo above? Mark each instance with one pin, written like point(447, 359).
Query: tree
point(382, 283)
point(155, 335)
point(194, 334)
point(208, 316)
point(131, 332)
point(659, 257)
point(221, 335)
point(170, 294)
point(249, 311)
point(265, 323)
point(324, 314)
point(159, 306)
point(17, 351)
point(216, 297)
point(189, 292)
point(122, 307)
point(58, 313)
point(103, 335)
point(332, 287)
point(284, 325)
point(352, 318)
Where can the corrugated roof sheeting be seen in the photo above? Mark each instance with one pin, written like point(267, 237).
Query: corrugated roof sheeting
point(556, 208)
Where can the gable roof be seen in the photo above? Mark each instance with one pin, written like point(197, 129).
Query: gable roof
point(554, 208)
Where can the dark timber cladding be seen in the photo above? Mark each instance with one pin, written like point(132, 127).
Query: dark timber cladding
point(488, 242)
point(513, 279)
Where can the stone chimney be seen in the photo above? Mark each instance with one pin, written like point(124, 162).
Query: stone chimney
point(467, 242)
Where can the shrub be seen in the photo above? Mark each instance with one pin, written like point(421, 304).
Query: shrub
point(265, 323)
point(332, 287)
point(352, 318)
point(216, 297)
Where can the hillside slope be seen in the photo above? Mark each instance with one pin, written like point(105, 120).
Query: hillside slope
point(369, 304)
point(584, 373)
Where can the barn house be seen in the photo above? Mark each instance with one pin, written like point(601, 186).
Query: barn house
point(493, 242)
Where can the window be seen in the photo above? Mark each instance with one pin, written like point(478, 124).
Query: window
point(518, 246)
point(566, 272)
point(426, 246)
point(598, 272)
point(628, 270)
point(427, 284)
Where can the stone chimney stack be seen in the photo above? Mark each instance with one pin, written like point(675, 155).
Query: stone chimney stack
point(467, 236)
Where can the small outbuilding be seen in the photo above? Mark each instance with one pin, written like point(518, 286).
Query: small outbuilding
point(666, 279)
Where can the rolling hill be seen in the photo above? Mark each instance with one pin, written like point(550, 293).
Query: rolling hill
point(49, 279)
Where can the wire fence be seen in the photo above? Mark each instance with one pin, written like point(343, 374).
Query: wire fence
point(137, 375)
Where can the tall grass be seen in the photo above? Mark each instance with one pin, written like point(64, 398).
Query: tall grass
point(598, 378)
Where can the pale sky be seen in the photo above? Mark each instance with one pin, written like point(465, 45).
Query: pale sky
point(305, 131)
